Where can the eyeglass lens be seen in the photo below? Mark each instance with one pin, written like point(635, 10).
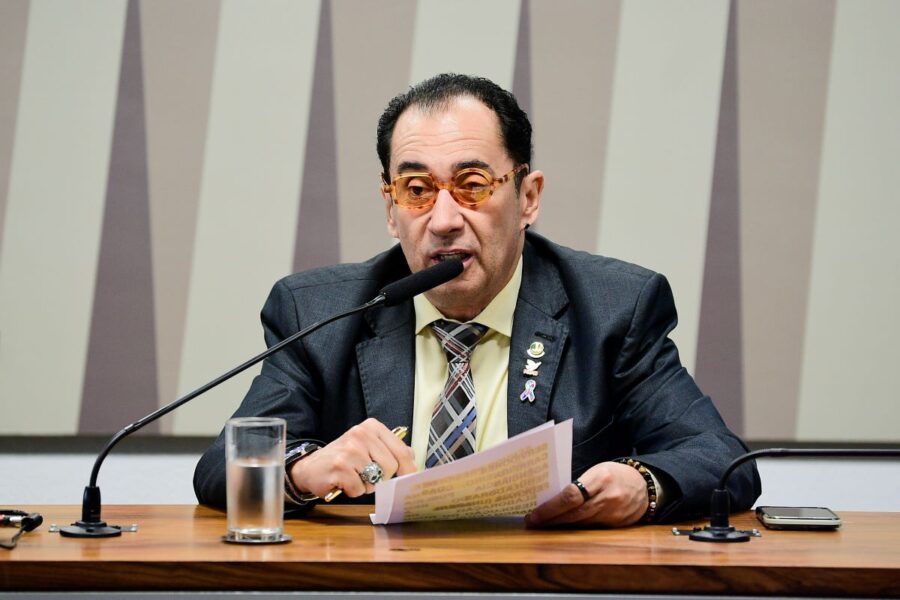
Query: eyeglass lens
point(469, 186)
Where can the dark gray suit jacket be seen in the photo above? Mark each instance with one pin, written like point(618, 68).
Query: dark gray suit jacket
point(608, 365)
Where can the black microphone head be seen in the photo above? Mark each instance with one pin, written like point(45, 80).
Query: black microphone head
point(32, 521)
point(424, 280)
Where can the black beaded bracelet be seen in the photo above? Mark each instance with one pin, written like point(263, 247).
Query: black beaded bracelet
point(651, 487)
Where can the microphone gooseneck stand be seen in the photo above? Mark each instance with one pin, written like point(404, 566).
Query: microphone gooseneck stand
point(719, 528)
point(91, 523)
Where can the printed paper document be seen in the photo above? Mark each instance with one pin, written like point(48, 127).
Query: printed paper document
point(509, 479)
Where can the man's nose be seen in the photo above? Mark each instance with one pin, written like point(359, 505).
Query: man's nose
point(445, 214)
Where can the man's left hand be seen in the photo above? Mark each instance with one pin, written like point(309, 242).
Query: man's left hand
point(617, 496)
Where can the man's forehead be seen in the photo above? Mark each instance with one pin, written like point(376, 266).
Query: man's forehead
point(461, 125)
point(462, 103)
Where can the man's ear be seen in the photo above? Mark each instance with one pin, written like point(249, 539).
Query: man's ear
point(530, 194)
point(388, 205)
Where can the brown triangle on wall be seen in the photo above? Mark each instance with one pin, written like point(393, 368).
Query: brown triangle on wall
point(719, 369)
point(179, 43)
point(13, 27)
point(368, 71)
point(572, 76)
point(120, 374)
point(521, 86)
point(318, 230)
point(785, 52)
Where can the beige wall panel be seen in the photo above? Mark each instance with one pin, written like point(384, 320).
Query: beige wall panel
point(661, 146)
point(466, 36)
point(178, 51)
point(571, 93)
point(57, 187)
point(248, 200)
point(13, 24)
point(368, 71)
point(848, 390)
point(784, 50)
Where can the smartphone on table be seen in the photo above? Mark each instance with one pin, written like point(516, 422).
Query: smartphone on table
point(797, 517)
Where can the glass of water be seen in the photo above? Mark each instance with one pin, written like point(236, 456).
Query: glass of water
point(254, 462)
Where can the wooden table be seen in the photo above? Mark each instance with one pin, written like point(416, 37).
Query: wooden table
point(335, 548)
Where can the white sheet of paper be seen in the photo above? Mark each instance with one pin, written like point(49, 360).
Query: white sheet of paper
point(509, 479)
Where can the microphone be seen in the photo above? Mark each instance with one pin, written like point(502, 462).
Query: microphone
point(719, 529)
point(26, 522)
point(91, 523)
point(424, 280)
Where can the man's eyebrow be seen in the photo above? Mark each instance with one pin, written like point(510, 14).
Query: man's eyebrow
point(473, 164)
point(409, 165)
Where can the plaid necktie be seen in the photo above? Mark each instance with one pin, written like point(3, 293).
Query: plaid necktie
point(452, 433)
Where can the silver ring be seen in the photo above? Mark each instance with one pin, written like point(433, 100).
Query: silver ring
point(371, 473)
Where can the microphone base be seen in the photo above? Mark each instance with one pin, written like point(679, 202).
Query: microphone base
point(721, 534)
point(94, 529)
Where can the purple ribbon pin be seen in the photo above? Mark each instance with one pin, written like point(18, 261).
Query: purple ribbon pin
point(528, 394)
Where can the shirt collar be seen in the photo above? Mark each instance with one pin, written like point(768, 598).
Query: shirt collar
point(498, 315)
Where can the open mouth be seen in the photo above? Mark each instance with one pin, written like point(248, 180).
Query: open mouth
point(443, 256)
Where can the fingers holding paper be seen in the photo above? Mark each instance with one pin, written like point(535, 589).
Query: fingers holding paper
point(339, 465)
point(616, 496)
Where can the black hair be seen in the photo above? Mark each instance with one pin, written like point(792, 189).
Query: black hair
point(438, 92)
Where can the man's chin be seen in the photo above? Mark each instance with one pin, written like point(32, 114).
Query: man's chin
point(454, 300)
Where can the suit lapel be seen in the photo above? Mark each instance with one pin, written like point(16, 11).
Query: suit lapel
point(541, 298)
point(387, 365)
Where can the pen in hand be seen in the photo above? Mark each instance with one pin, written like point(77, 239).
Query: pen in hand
point(400, 432)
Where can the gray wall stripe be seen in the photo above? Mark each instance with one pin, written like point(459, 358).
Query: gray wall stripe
point(120, 376)
point(719, 369)
point(318, 230)
point(13, 27)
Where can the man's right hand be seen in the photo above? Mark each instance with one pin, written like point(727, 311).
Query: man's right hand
point(338, 465)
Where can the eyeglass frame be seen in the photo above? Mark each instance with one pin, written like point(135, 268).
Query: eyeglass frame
point(450, 186)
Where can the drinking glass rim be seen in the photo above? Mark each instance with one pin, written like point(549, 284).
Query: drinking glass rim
point(258, 421)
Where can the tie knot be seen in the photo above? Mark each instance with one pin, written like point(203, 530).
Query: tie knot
point(458, 339)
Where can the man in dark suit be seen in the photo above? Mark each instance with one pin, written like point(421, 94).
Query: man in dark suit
point(533, 331)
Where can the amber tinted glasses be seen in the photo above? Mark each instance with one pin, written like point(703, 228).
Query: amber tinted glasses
point(469, 187)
